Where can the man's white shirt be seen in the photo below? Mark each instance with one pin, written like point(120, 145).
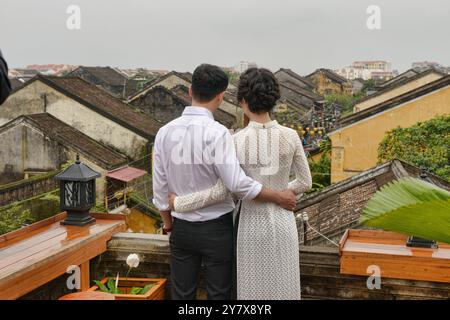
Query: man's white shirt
point(190, 154)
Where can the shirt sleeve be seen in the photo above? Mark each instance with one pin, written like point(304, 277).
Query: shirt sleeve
point(160, 186)
point(229, 169)
point(5, 85)
point(303, 180)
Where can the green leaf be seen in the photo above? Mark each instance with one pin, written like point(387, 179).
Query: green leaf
point(410, 206)
point(101, 286)
point(136, 290)
point(147, 288)
point(111, 284)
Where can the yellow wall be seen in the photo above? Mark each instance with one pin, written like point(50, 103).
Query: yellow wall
point(327, 86)
point(354, 148)
point(397, 91)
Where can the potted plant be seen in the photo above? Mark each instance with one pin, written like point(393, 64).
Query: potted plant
point(132, 288)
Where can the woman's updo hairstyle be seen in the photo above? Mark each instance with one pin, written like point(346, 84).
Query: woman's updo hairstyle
point(259, 88)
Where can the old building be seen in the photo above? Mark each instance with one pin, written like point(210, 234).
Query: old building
point(287, 76)
point(328, 82)
point(42, 143)
point(87, 108)
point(404, 82)
point(165, 104)
point(338, 207)
point(111, 80)
point(357, 85)
point(173, 79)
point(356, 137)
point(16, 82)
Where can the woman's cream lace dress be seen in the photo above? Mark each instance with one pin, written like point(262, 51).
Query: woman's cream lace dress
point(267, 249)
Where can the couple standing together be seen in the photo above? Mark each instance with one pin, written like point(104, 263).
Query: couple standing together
point(200, 170)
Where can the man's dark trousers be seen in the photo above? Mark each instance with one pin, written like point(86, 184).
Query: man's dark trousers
point(208, 241)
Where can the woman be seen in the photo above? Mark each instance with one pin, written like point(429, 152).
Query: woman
point(267, 249)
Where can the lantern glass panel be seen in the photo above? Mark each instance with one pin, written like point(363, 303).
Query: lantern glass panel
point(90, 192)
point(72, 194)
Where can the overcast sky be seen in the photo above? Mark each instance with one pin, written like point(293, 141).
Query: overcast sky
point(180, 34)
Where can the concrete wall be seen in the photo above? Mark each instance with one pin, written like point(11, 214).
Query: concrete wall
point(23, 148)
point(355, 147)
point(396, 91)
point(28, 101)
point(26, 189)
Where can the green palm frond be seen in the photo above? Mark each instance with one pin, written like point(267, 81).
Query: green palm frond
point(410, 206)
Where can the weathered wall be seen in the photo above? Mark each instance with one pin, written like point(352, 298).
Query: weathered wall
point(326, 86)
point(355, 147)
point(319, 269)
point(28, 101)
point(173, 80)
point(26, 189)
point(397, 91)
point(23, 148)
point(159, 105)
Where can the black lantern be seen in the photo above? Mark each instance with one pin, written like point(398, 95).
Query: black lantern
point(77, 193)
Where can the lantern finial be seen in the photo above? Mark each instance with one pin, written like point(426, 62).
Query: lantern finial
point(77, 159)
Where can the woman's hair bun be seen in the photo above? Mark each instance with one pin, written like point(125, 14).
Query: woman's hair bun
point(259, 88)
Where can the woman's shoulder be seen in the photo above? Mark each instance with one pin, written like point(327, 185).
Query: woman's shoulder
point(288, 131)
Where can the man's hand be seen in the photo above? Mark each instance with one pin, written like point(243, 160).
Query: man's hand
point(172, 197)
point(287, 199)
point(167, 219)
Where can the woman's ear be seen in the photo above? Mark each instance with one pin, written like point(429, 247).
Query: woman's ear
point(243, 104)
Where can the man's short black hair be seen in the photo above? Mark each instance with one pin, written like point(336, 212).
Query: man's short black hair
point(207, 82)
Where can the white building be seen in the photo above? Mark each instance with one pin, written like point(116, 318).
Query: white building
point(367, 70)
point(242, 66)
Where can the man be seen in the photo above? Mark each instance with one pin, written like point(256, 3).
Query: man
point(5, 86)
point(190, 154)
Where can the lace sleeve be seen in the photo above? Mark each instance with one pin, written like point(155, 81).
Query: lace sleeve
point(202, 199)
point(303, 180)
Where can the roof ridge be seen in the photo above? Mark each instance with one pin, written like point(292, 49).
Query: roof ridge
point(55, 134)
point(403, 98)
point(400, 83)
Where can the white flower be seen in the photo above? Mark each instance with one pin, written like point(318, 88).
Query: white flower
point(133, 260)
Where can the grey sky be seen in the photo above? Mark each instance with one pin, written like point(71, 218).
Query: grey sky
point(180, 34)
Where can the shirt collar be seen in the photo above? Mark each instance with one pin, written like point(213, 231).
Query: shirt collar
point(197, 111)
point(259, 125)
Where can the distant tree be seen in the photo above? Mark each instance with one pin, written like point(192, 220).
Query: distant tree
point(347, 101)
point(13, 218)
point(232, 76)
point(425, 144)
point(368, 85)
point(321, 169)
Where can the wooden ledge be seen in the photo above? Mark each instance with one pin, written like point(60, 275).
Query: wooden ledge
point(360, 249)
point(36, 254)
